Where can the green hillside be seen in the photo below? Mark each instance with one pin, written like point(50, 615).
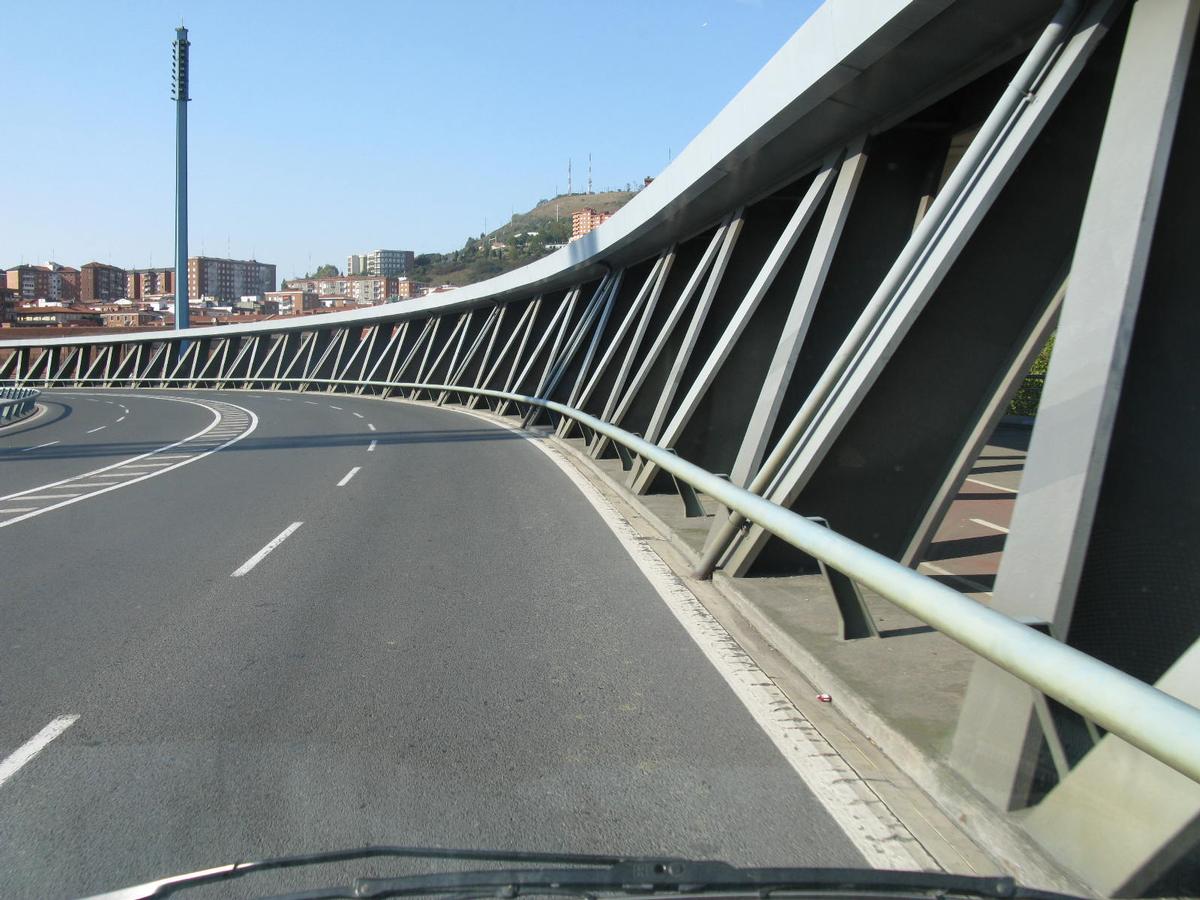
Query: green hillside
point(526, 237)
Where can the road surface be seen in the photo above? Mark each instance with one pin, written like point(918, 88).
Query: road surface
point(451, 648)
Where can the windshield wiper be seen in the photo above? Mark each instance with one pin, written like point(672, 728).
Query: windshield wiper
point(587, 875)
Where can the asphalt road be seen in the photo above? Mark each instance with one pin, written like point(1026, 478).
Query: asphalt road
point(452, 649)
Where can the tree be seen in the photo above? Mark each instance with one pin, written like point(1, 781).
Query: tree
point(327, 271)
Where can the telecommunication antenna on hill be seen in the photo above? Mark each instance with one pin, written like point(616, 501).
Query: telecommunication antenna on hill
point(589, 173)
point(568, 175)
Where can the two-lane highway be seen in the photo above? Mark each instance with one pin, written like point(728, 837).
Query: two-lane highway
point(366, 622)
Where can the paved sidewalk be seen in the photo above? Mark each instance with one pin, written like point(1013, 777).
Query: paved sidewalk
point(904, 689)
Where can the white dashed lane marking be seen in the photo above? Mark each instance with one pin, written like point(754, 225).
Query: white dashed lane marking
point(32, 747)
point(261, 554)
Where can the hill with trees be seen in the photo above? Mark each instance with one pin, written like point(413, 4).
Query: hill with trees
point(526, 237)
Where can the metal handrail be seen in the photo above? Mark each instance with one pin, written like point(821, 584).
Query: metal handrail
point(16, 403)
point(1163, 726)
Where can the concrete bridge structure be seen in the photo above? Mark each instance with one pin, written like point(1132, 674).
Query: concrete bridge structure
point(821, 310)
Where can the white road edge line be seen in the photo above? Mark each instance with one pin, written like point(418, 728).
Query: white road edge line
point(40, 446)
point(188, 460)
point(35, 745)
point(997, 487)
point(883, 840)
point(371, 446)
point(346, 478)
point(97, 428)
point(986, 524)
point(261, 554)
point(976, 587)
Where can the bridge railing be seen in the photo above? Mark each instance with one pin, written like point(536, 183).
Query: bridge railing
point(1161, 725)
point(17, 403)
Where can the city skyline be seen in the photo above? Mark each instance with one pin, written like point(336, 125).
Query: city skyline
point(423, 174)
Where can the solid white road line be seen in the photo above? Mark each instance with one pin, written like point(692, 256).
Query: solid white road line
point(261, 554)
point(34, 746)
point(883, 840)
point(19, 509)
point(346, 478)
point(122, 419)
point(371, 446)
point(331, 406)
point(360, 415)
point(370, 426)
point(40, 446)
point(975, 586)
point(998, 487)
point(98, 428)
point(48, 496)
point(992, 525)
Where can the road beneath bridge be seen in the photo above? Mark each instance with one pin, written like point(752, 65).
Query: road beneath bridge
point(453, 648)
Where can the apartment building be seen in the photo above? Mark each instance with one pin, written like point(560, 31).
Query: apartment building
point(49, 282)
point(141, 284)
point(584, 220)
point(228, 279)
point(101, 283)
point(364, 290)
point(289, 301)
point(381, 262)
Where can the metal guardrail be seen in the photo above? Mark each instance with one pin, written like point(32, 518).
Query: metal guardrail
point(16, 403)
point(1163, 726)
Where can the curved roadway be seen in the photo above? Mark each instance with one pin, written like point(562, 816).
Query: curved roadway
point(453, 648)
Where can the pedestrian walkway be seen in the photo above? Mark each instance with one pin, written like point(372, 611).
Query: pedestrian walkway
point(905, 688)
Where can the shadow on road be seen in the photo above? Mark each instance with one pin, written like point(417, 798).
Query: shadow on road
point(289, 442)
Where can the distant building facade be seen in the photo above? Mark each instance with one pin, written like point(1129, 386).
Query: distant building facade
point(584, 220)
point(381, 262)
point(228, 279)
point(142, 284)
point(131, 318)
point(362, 290)
point(101, 283)
point(290, 301)
point(48, 282)
point(55, 315)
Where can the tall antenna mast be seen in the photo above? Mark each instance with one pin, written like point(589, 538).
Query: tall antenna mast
point(589, 173)
point(179, 92)
point(568, 175)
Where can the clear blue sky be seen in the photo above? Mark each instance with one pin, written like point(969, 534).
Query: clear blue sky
point(318, 129)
